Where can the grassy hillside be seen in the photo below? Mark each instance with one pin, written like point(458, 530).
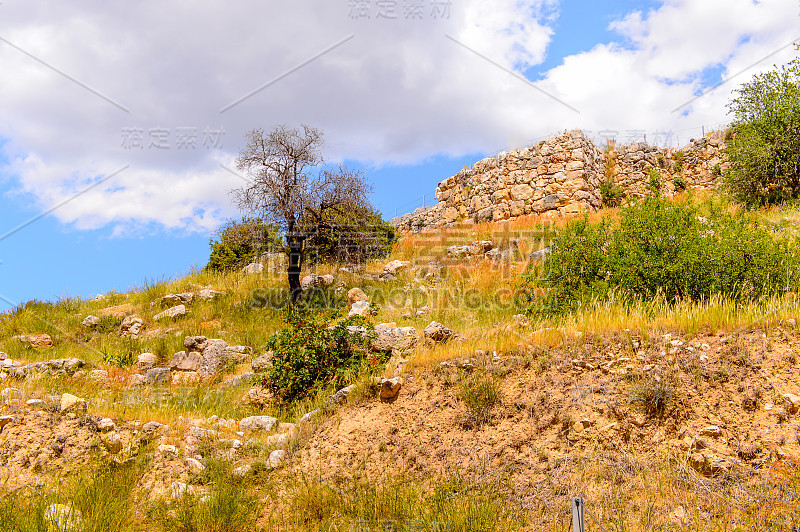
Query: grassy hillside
point(662, 415)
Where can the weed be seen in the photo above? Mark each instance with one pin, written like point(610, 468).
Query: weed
point(653, 397)
point(480, 391)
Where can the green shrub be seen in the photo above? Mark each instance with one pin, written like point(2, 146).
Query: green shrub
point(654, 181)
point(764, 149)
point(661, 161)
point(665, 249)
point(610, 193)
point(308, 355)
point(717, 170)
point(680, 184)
point(240, 242)
point(680, 158)
point(480, 391)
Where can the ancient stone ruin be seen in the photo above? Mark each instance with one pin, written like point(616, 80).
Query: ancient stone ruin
point(562, 176)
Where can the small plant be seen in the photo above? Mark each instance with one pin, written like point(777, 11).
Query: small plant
point(480, 391)
point(680, 184)
point(611, 194)
point(717, 170)
point(654, 182)
point(654, 398)
point(680, 159)
point(661, 161)
point(119, 360)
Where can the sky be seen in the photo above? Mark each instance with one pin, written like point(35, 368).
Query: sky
point(120, 122)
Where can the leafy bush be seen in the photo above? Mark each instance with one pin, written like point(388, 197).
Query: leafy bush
point(308, 355)
point(354, 236)
point(665, 249)
point(239, 243)
point(680, 158)
point(680, 184)
point(610, 193)
point(764, 151)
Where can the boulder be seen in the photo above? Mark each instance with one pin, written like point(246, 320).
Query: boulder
point(90, 322)
point(355, 294)
point(105, 425)
point(793, 401)
point(214, 358)
point(5, 420)
point(158, 376)
point(276, 458)
point(62, 518)
point(438, 332)
point(540, 255)
point(262, 363)
point(35, 341)
point(146, 361)
point(253, 268)
point(390, 387)
point(70, 402)
point(238, 379)
point(195, 343)
point(253, 423)
point(10, 396)
point(131, 325)
point(394, 337)
point(173, 312)
point(340, 396)
point(359, 308)
point(185, 361)
point(479, 247)
point(112, 442)
point(183, 298)
point(152, 427)
point(207, 294)
point(395, 266)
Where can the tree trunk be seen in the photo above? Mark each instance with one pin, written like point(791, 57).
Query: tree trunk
point(295, 245)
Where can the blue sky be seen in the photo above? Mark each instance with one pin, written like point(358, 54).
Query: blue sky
point(410, 100)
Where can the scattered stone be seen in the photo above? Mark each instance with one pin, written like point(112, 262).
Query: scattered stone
point(340, 396)
point(106, 425)
point(70, 402)
point(99, 375)
point(158, 376)
point(131, 325)
point(253, 268)
point(793, 401)
point(711, 430)
point(178, 490)
point(3, 356)
point(151, 427)
point(308, 416)
point(168, 449)
point(146, 361)
point(196, 466)
point(185, 361)
point(35, 341)
point(257, 396)
point(257, 423)
point(90, 322)
point(195, 343)
point(678, 516)
point(136, 380)
point(355, 294)
point(10, 396)
point(112, 442)
point(183, 298)
point(262, 363)
point(395, 266)
point(278, 440)
point(214, 358)
point(276, 458)
point(394, 338)
point(359, 308)
point(207, 294)
point(174, 312)
point(242, 470)
point(5, 420)
point(390, 388)
point(438, 332)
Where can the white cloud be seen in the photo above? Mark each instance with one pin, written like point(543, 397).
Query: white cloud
point(398, 91)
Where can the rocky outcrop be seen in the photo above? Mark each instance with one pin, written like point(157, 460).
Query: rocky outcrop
point(562, 176)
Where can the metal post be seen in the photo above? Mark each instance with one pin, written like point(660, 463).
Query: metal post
point(578, 524)
point(423, 202)
point(645, 138)
point(703, 128)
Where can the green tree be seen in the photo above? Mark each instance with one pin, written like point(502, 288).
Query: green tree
point(239, 242)
point(765, 150)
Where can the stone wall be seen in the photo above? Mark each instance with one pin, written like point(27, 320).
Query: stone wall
point(562, 176)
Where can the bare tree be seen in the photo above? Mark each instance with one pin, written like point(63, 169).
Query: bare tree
point(291, 189)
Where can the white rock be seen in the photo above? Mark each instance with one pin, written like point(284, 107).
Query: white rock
point(71, 402)
point(196, 466)
point(276, 458)
point(173, 312)
point(390, 387)
point(146, 361)
point(359, 308)
point(438, 332)
point(106, 425)
point(90, 321)
point(794, 402)
point(257, 423)
point(395, 266)
point(62, 518)
point(242, 471)
point(278, 440)
point(253, 268)
point(168, 449)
